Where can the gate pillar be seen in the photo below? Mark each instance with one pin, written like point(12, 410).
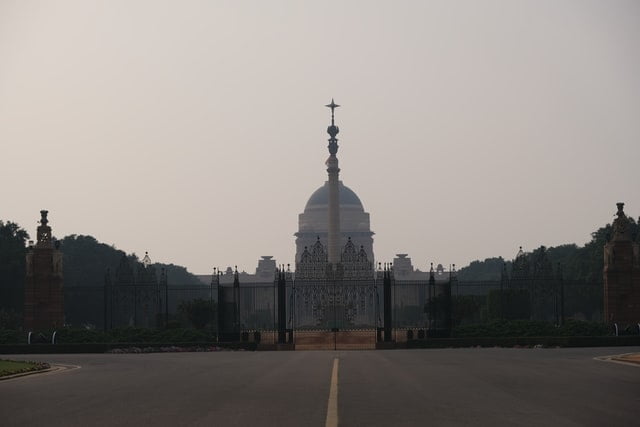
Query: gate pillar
point(282, 307)
point(386, 286)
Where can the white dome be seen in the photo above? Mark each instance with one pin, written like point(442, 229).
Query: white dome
point(320, 198)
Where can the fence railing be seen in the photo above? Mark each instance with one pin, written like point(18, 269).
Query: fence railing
point(323, 304)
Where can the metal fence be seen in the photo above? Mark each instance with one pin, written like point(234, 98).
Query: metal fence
point(327, 305)
point(417, 303)
point(135, 305)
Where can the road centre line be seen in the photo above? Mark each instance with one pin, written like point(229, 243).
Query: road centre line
point(332, 405)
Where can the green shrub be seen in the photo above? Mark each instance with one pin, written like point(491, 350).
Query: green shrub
point(504, 328)
point(12, 367)
point(174, 335)
point(10, 319)
point(199, 312)
point(132, 335)
point(69, 335)
point(579, 328)
point(559, 341)
point(531, 328)
point(11, 336)
point(508, 304)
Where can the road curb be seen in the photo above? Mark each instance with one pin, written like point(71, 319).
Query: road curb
point(622, 359)
point(50, 370)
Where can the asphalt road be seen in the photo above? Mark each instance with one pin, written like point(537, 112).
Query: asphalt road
point(529, 387)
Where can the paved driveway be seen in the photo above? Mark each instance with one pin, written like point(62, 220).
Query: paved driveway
point(529, 387)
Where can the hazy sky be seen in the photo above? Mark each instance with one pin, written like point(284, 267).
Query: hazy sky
point(196, 130)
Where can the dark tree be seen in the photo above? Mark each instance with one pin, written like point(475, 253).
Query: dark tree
point(487, 270)
point(199, 312)
point(85, 260)
point(13, 242)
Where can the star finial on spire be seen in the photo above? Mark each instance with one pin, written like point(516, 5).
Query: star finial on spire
point(333, 106)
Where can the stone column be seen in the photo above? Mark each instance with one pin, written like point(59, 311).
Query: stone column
point(334, 210)
point(334, 190)
point(44, 303)
point(621, 274)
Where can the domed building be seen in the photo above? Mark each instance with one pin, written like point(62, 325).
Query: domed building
point(313, 223)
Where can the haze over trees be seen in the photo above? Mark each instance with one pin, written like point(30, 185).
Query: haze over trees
point(86, 261)
point(578, 263)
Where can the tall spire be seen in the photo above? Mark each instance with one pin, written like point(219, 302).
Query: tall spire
point(334, 198)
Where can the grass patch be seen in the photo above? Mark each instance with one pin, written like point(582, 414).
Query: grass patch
point(11, 367)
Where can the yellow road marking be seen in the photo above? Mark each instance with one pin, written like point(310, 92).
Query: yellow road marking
point(332, 406)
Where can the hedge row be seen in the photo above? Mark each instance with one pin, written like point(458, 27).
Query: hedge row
point(104, 347)
point(122, 335)
point(603, 341)
point(529, 328)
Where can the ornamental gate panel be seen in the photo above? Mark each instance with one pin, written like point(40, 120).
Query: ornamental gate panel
point(335, 314)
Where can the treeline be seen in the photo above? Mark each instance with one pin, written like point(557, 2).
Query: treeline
point(579, 263)
point(13, 250)
point(85, 263)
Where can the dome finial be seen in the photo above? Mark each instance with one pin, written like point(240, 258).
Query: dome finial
point(333, 106)
point(333, 130)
